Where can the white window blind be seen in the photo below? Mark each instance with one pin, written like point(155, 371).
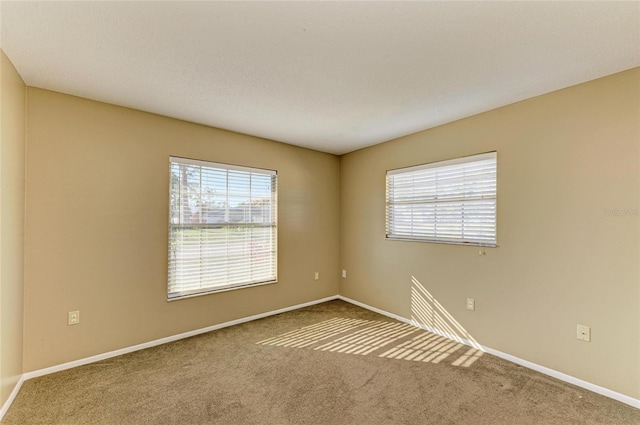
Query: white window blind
point(450, 201)
point(222, 227)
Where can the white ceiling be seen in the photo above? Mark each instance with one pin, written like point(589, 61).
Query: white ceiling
point(331, 76)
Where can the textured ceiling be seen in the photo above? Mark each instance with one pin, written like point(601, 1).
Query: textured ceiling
point(331, 76)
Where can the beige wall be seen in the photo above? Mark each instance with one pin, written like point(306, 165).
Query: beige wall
point(564, 159)
point(12, 164)
point(97, 216)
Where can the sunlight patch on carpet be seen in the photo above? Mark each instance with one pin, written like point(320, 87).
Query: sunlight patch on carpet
point(362, 337)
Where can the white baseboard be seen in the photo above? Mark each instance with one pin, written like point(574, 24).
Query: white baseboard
point(545, 370)
point(559, 375)
point(12, 396)
point(103, 356)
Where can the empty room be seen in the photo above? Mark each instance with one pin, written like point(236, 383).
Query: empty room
point(319, 212)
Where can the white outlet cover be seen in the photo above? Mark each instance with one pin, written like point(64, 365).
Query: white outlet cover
point(73, 317)
point(471, 304)
point(584, 333)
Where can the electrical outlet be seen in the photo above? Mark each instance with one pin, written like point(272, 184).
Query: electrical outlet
point(344, 273)
point(73, 318)
point(471, 304)
point(316, 276)
point(584, 333)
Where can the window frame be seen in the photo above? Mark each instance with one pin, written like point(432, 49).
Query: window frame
point(211, 289)
point(466, 200)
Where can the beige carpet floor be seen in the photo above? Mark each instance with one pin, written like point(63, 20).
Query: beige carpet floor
point(333, 363)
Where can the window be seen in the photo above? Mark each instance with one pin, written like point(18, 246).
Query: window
point(222, 227)
point(450, 201)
